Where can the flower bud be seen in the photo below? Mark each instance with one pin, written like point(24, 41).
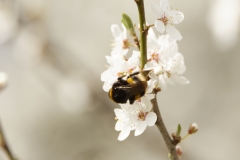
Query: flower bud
point(179, 150)
point(3, 80)
point(193, 128)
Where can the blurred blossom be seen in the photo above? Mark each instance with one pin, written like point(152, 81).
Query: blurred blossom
point(31, 8)
point(3, 80)
point(179, 150)
point(29, 47)
point(73, 95)
point(224, 22)
point(8, 24)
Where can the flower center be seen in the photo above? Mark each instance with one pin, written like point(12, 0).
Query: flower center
point(142, 115)
point(164, 19)
point(125, 44)
point(129, 71)
point(154, 57)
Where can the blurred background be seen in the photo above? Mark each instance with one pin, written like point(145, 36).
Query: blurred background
point(54, 108)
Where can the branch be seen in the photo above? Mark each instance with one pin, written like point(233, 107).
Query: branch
point(143, 32)
point(4, 145)
point(163, 130)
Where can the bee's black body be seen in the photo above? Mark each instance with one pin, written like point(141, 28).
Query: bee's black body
point(130, 89)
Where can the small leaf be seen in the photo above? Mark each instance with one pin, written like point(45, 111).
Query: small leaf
point(126, 20)
point(178, 132)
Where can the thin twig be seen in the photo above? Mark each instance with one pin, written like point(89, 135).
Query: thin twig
point(4, 145)
point(163, 130)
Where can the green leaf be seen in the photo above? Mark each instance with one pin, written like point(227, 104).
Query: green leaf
point(178, 132)
point(126, 20)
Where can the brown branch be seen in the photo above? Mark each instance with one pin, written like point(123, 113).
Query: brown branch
point(163, 130)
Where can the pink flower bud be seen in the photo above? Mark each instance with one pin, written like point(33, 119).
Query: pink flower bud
point(179, 150)
point(193, 128)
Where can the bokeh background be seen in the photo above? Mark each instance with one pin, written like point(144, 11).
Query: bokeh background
point(54, 108)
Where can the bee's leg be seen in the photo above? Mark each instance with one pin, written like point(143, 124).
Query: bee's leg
point(131, 100)
point(122, 81)
point(133, 74)
point(142, 93)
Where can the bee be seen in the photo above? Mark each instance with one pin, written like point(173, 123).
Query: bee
point(130, 88)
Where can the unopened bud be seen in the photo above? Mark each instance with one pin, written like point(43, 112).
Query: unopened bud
point(193, 128)
point(179, 150)
point(127, 22)
point(3, 80)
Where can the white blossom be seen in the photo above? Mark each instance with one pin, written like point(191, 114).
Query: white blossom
point(134, 117)
point(121, 42)
point(165, 61)
point(166, 18)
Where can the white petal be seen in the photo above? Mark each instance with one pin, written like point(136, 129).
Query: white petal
point(133, 61)
point(116, 31)
point(180, 79)
point(173, 32)
point(175, 16)
point(157, 10)
point(124, 33)
point(152, 35)
point(141, 126)
point(118, 126)
point(105, 75)
point(146, 103)
point(160, 26)
point(164, 5)
point(108, 85)
point(162, 82)
point(116, 50)
point(151, 85)
point(123, 134)
point(151, 118)
point(119, 113)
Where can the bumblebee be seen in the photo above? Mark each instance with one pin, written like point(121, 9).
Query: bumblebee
point(130, 88)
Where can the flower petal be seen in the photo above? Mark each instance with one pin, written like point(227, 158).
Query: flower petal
point(180, 79)
point(175, 16)
point(162, 82)
point(160, 26)
point(151, 118)
point(146, 103)
point(141, 126)
point(173, 32)
point(164, 5)
point(118, 126)
point(157, 10)
point(116, 31)
point(123, 134)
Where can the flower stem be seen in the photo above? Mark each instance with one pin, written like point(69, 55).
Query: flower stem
point(143, 32)
point(163, 130)
point(4, 145)
point(185, 137)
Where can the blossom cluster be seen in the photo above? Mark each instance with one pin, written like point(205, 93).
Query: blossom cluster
point(165, 62)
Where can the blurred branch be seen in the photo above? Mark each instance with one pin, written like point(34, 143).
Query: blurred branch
point(161, 127)
point(4, 145)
